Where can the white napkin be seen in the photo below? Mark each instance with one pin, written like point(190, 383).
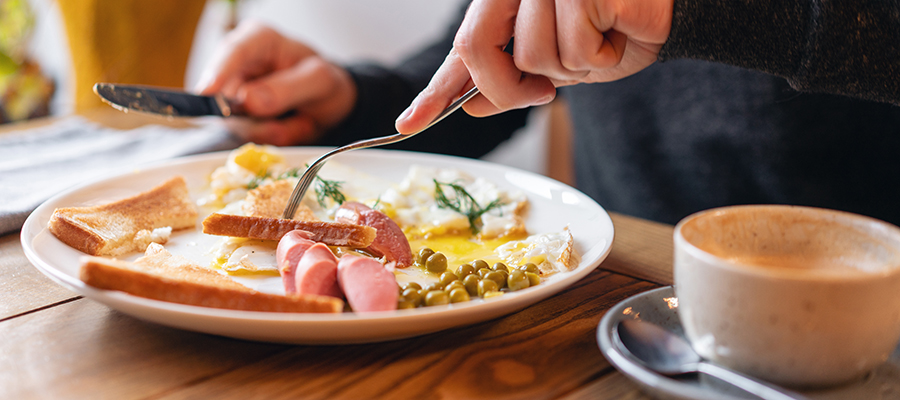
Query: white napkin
point(38, 163)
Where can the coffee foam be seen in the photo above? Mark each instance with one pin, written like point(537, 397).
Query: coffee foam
point(806, 240)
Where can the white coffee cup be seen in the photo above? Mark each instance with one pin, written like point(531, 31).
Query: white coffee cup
point(799, 296)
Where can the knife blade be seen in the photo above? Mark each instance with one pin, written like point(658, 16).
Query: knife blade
point(165, 102)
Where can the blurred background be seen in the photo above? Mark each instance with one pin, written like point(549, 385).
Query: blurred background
point(51, 51)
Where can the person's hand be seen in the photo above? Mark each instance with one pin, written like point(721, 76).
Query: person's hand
point(268, 75)
point(557, 43)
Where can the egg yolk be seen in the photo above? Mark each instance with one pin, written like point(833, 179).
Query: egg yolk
point(461, 249)
point(256, 159)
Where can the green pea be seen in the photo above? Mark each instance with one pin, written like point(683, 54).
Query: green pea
point(412, 285)
point(517, 280)
point(497, 277)
point(437, 298)
point(423, 255)
point(482, 272)
point(454, 284)
point(530, 267)
point(479, 264)
point(486, 286)
point(403, 304)
point(471, 284)
point(433, 286)
point(500, 267)
point(436, 263)
point(422, 293)
point(533, 279)
point(447, 277)
point(412, 296)
point(459, 295)
point(464, 270)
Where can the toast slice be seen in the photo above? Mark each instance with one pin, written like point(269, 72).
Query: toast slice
point(126, 225)
point(159, 275)
point(270, 200)
point(330, 233)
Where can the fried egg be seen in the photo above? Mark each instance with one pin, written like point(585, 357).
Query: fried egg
point(551, 252)
point(411, 203)
point(245, 256)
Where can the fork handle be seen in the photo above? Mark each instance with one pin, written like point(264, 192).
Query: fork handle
point(313, 169)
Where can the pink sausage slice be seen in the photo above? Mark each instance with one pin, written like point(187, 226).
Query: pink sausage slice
point(389, 242)
point(367, 285)
point(316, 273)
point(288, 253)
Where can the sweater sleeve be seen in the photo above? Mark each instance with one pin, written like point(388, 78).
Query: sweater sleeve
point(847, 47)
point(383, 93)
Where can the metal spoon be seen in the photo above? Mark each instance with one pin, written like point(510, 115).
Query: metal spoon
point(313, 169)
point(668, 354)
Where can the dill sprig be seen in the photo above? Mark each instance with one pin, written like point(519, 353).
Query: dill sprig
point(462, 202)
point(325, 189)
point(258, 179)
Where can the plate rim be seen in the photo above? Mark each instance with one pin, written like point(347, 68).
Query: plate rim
point(33, 227)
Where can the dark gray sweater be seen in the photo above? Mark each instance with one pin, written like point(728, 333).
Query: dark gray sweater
point(786, 113)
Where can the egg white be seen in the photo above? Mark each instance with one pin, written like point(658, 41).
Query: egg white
point(411, 203)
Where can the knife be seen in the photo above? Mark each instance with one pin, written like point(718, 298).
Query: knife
point(165, 102)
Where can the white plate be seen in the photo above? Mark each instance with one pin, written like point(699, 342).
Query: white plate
point(660, 306)
point(553, 207)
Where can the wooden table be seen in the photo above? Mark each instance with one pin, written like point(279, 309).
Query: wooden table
point(56, 344)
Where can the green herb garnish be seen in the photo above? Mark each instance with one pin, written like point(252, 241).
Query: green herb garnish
point(291, 173)
point(258, 179)
point(324, 188)
point(462, 202)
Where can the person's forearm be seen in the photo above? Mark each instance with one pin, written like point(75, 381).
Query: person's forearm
point(848, 47)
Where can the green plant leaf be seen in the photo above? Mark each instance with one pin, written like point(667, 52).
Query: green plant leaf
point(7, 65)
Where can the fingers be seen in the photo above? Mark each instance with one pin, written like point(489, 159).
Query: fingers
point(484, 33)
point(309, 81)
point(583, 44)
point(269, 74)
point(249, 51)
point(536, 51)
point(448, 83)
point(286, 132)
point(478, 57)
point(224, 72)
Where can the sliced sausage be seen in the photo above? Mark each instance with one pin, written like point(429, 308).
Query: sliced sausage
point(389, 242)
point(366, 284)
point(288, 253)
point(316, 273)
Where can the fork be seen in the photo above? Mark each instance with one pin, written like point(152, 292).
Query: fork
point(313, 169)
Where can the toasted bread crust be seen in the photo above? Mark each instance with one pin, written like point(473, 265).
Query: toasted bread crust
point(330, 233)
point(110, 229)
point(75, 234)
point(161, 276)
